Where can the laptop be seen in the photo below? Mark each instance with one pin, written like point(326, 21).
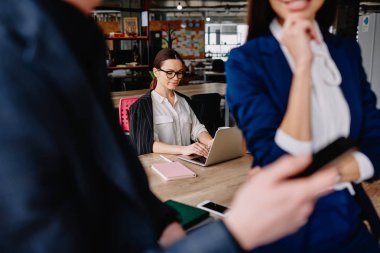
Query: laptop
point(228, 144)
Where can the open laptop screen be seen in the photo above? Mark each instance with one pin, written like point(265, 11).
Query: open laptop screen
point(227, 145)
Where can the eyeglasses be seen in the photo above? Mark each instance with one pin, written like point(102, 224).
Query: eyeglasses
point(171, 74)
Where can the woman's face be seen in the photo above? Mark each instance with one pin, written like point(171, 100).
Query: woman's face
point(170, 74)
point(306, 9)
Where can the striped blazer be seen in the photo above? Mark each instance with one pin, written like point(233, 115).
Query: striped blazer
point(141, 122)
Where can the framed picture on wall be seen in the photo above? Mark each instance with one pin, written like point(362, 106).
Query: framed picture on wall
point(131, 26)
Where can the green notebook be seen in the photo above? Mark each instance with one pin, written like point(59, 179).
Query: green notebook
point(189, 215)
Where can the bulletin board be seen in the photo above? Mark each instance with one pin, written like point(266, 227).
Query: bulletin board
point(188, 37)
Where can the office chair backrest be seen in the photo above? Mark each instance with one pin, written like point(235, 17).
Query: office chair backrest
point(124, 105)
point(218, 66)
point(208, 110)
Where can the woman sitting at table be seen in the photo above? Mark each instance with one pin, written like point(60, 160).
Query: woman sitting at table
point(163, 120)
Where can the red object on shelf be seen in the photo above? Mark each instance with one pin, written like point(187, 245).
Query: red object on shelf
point(116, 35)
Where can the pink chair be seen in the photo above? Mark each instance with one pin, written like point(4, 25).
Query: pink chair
point(124, 105)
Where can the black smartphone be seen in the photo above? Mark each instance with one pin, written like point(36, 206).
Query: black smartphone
point(332, 152)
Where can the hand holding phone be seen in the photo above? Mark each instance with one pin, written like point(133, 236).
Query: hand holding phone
point(333, 152)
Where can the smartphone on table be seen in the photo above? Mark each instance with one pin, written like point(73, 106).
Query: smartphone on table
point(213, 207)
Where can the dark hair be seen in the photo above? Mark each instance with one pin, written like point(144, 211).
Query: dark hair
point(261, 14)
point(161, 56)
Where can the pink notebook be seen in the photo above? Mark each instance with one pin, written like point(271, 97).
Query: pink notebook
point(173, 170)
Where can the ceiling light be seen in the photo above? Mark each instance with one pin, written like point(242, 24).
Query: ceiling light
point(208, 19)
point(179, 6)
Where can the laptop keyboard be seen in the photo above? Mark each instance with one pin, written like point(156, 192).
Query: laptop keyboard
point(200, 159)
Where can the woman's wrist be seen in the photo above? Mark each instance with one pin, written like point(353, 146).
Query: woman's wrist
point(181, 150)
point(302, 68)
point(348, 169)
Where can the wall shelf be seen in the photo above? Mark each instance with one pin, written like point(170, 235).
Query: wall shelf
point(119, 21)
point(112, 8)
point(107, 37)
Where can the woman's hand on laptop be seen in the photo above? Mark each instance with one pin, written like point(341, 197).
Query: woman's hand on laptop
point(195, 148)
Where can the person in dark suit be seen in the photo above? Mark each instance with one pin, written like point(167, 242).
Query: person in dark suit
point(69, 182)
point(293, 88)
point(164, 120)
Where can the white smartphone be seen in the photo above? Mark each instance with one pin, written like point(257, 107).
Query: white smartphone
point(212, 207)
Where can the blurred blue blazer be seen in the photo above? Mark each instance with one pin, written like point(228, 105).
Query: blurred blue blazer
point(258, 85)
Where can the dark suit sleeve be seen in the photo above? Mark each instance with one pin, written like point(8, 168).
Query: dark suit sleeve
point(209, 239)
point(133, 124)
point(162, 215)
point(33, 218)
point(252, 108)
point(369, 143)
point(141, 129)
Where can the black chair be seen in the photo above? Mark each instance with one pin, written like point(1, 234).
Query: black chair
point(217, 74)
point(207, 108)
point(218, 66)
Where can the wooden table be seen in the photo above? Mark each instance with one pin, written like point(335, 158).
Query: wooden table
point(373, 191)
point(217, 183)
point(187, 90)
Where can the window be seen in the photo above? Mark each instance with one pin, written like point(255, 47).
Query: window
point(221, 38)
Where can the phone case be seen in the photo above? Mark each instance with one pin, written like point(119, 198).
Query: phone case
point(335, 150)
point(189, 215)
